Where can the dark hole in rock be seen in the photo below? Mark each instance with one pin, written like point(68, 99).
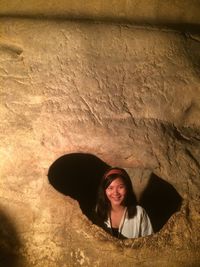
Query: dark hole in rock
point(9, 242)
point(160, 200)
point(78, 175)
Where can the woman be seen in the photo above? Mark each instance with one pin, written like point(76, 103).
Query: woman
point(116, 208)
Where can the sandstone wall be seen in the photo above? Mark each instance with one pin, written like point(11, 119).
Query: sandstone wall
point(182, 12)
point(128, 95)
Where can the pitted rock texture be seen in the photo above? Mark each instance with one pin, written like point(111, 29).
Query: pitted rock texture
point(130, 96)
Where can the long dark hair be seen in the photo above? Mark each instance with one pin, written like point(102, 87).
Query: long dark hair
point(103, 204)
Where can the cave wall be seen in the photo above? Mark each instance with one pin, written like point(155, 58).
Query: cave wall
point(128, 94)
point(182, 12)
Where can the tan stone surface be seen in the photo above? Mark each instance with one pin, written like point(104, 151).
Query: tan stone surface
point(129, 95)
point(183, 12)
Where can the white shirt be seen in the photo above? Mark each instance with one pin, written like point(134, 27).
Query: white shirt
point(137, 226)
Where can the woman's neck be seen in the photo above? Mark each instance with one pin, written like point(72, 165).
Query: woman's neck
point(118, 208)
point(116, 215)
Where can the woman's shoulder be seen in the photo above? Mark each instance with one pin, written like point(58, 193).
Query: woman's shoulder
point(140, 210)
point(138, 216)
point(138, 207)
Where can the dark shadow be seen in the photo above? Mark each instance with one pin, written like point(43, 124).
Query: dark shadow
point(78, 175)
point(190, 27)
point(9, 242)
point(160, 200)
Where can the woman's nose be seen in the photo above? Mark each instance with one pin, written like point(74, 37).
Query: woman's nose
point(116, 191)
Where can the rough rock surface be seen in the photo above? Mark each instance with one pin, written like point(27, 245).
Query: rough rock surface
point(128, 95)
point(184, 13)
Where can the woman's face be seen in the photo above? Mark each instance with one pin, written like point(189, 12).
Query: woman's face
point(116, 192)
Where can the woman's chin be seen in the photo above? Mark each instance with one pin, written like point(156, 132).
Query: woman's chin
point(116, 203)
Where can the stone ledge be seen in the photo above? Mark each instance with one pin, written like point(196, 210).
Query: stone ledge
point(185, 12)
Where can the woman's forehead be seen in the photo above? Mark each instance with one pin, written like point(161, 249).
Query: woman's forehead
point(117, 181)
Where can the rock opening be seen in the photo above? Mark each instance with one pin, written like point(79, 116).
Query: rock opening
point(78, 175)
point(160, 199)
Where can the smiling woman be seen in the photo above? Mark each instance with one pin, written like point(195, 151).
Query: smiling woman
point(116, 193)
point(116, 209)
